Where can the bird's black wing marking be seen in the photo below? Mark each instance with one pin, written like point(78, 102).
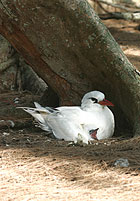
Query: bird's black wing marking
point(52, 110)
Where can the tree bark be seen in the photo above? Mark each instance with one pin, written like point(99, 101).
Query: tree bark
point(70, 48)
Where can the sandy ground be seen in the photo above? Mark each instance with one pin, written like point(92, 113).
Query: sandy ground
point(35, 166)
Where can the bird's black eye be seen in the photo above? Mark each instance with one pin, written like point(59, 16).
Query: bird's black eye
point(94, 100)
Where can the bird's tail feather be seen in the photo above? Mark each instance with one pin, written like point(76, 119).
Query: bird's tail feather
point(40, 114)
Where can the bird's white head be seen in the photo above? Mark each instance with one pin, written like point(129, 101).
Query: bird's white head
point(95, 98)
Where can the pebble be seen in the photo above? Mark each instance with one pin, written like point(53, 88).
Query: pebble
point(121, 162)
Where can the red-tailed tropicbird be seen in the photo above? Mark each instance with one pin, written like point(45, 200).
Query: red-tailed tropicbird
point(92, 120)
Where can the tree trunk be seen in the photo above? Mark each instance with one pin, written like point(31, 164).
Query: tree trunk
point(70, 48)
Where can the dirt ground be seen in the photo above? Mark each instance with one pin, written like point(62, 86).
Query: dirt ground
point(36, 167)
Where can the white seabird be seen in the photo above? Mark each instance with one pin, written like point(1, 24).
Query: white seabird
point(92, 120)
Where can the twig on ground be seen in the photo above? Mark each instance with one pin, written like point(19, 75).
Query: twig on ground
point(125, 16)
point(115, 5)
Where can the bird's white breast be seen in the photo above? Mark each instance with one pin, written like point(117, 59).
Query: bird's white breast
point(102, 118)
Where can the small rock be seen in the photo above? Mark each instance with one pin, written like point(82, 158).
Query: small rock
point(122, 162)
point(8, 123)
point(12, 124)
point(5, 134)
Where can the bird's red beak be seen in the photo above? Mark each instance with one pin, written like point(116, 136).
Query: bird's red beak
point(106, 102)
